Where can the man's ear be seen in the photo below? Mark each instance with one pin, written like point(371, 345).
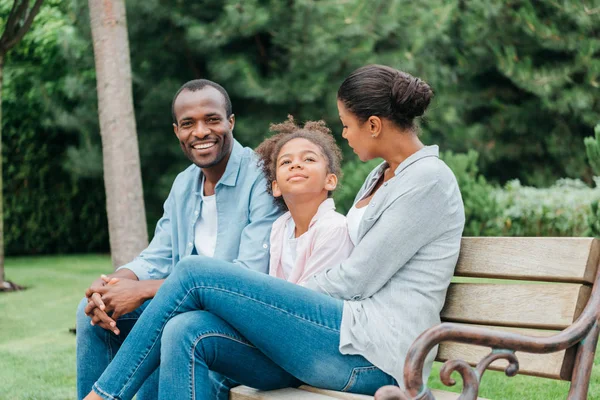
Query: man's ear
point(275, 189)
point(175, 129)
point(374, 124)
point(331, 182)
point(231, 121)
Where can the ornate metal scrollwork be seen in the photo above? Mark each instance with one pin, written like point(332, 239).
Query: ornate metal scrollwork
point(471, 377)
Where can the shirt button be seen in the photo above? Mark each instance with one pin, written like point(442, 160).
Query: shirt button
point(265, 246)
point(372, 204)
point(385, 184)
point(356, 297)
point(196, 212)
point(190, 244)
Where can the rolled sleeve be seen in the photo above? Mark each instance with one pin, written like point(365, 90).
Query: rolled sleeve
point(156, 261)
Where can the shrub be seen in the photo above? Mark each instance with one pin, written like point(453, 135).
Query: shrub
point(567, 208)
point(592, 147)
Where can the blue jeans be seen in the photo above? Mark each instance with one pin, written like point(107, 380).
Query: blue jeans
point(96, 348)
point(258, 330)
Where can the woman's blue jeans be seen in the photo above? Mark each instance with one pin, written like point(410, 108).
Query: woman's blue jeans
point(260, 331)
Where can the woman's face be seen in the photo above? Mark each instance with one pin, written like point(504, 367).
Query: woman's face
point(356, 133)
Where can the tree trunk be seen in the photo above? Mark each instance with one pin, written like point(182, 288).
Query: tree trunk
point(2, 276)
point(121, 159)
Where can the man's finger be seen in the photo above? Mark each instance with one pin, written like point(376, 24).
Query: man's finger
point(89, 308)
point(97, 299)
point(116, 314)
point(108, 321)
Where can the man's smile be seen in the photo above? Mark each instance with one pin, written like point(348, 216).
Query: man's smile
point(202, 146)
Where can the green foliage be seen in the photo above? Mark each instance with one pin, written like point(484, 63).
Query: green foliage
point(560, 210)
point(48, 209)
point(518, 83)
point(526, 88)
point(481, 207)
point(592, 146)
point(354, 174)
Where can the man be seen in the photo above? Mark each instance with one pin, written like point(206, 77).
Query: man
point(218, 207)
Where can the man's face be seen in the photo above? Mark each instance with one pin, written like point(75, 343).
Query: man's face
point(203, 128)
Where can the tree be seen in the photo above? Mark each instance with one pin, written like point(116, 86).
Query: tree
point(122, 175)
point(17, 24)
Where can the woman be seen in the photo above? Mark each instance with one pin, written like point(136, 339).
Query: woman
point(352, 331)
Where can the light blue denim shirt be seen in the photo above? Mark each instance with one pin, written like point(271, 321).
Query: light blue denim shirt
point(245, 214)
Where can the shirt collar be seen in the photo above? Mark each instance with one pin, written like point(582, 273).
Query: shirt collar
point(232, 169)
point(326, 206)
point(427, 151)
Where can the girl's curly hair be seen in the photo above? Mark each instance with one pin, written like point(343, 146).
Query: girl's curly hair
point(316, 132)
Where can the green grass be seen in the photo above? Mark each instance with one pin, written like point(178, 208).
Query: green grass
point(37, 351)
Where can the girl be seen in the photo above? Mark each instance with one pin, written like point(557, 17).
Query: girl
point(353, 330)
point(303, 165)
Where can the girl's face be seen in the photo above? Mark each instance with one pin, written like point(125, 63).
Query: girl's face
point(302, 170)
point(357, 134)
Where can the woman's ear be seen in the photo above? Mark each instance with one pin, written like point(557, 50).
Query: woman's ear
point(275, 189)
point(374, 124)
point(331, 182)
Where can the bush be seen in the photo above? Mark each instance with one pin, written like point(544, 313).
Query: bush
point(560, 210)
point(513, 210)
point(592, 147)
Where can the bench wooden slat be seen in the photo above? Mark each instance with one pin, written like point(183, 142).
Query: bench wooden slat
point(311, 393)
point(537, 306)
point(540, 259)
point(439, 394)
point(247, 393)
point(557, 365)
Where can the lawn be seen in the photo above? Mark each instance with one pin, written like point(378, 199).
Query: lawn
point(37, 351)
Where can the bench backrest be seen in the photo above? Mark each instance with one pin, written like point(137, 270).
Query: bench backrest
point(535, 286)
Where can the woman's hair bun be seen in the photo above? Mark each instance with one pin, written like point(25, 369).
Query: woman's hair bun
point(385, 92)
point(410, 96)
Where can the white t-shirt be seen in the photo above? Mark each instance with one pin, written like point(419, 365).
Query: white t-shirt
point(353, 219)
point(288, 255)
point(355, 215)
point(205, 230)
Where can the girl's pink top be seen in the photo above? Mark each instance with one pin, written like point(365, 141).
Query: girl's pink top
point(325, 244)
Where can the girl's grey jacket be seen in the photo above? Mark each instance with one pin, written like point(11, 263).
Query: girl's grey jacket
point(395, 281)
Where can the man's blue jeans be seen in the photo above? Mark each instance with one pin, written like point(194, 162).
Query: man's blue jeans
point(96, 348)
point(259, 331)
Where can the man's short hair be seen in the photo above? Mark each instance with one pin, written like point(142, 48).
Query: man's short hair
point(199, 84)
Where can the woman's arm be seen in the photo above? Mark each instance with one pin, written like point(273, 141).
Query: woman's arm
point(332, 246)
point(412, 220)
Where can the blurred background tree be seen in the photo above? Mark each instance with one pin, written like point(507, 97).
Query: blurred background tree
point(127, 227)
point(517, 90)
point(14, 26)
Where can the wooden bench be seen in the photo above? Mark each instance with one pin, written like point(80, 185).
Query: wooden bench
point(535, 312)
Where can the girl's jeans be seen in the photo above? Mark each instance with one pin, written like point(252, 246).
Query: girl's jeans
point(260, 331)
